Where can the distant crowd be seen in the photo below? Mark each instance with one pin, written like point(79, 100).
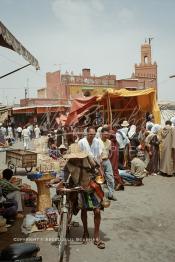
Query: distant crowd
point(9, 135)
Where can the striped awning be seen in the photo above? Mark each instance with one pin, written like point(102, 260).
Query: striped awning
point(9, 41)
point(3, 113)
point(4, 108)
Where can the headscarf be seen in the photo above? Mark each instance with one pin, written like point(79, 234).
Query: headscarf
point(155, 129)
point(149, 125)
point(173, 121)
point(132, 131)
point(98, 133)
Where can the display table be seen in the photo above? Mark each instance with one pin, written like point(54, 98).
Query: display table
point(43, 198)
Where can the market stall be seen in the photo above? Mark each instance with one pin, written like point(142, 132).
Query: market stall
point(118, 105)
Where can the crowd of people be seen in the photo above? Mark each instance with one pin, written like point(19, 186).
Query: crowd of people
point(10, 134)
point(124, 154)
point(127, 152)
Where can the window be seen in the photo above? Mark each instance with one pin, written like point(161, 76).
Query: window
point(145, 59)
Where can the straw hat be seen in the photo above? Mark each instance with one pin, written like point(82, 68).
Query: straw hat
point(75, 152)
point(125, 123)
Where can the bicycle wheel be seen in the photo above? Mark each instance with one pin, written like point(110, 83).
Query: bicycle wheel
point(62, 236)
point(69, 220)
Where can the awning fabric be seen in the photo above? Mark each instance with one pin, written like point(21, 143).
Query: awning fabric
point(3, 113)
point(9, 41)
point(38, 109)
point(61, 120)
point(78, 107)
point(146, 100)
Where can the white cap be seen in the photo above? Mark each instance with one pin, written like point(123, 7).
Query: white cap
point(62, 147)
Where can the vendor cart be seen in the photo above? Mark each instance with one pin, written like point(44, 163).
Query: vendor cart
point(21, 158)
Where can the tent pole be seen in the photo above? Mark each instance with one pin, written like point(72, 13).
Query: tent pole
point(110, 111)
point(107, 104)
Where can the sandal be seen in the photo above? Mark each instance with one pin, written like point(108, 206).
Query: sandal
point(99, 243)
point(85, 237)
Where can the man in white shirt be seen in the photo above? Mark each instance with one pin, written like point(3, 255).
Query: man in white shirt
point(10, 131)
point(105, 144)
point(30, 128)
point(19, 131)
point(37, 132)
point(122, 141)
point(3, 130)
point(91, 145)
point(26, 137)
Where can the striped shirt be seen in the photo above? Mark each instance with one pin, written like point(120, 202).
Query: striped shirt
point(7, 187)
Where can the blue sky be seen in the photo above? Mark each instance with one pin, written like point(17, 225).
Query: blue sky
point(104, 35)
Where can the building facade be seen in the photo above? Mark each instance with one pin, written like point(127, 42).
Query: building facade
point(68, 86)
point(146, 71)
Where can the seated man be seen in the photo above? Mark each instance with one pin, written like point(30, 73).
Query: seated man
point(8, 208)
point(137, 172)
point(53, 152)
point(11, 191)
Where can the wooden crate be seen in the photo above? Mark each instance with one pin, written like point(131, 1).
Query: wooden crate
point(21, 158)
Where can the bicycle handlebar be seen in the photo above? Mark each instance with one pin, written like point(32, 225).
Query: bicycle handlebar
point(64, 189)
point(73, 189)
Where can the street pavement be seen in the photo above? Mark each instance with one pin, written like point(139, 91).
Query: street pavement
point(139, 227)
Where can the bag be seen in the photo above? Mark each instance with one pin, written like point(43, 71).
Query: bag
point(97, 189)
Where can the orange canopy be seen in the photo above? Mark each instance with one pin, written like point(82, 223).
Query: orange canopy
point(145, 99)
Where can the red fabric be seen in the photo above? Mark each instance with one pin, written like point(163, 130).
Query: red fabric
point(114, 161)
point(97, 189)
point(79, 107)
point(61, 120)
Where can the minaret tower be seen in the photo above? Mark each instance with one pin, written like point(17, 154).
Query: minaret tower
point(146, 71)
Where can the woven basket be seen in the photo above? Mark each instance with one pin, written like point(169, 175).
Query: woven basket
point(43, 198)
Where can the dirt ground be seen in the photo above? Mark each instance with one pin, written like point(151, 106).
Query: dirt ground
point(139, 227)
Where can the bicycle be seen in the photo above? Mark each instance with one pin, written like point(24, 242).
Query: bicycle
point(65, 210)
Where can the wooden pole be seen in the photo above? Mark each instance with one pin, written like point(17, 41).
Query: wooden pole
point(107, 103)
point(109, 111)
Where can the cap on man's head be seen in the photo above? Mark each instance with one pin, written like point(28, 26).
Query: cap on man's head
point(125, 123)
point(62, 147)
